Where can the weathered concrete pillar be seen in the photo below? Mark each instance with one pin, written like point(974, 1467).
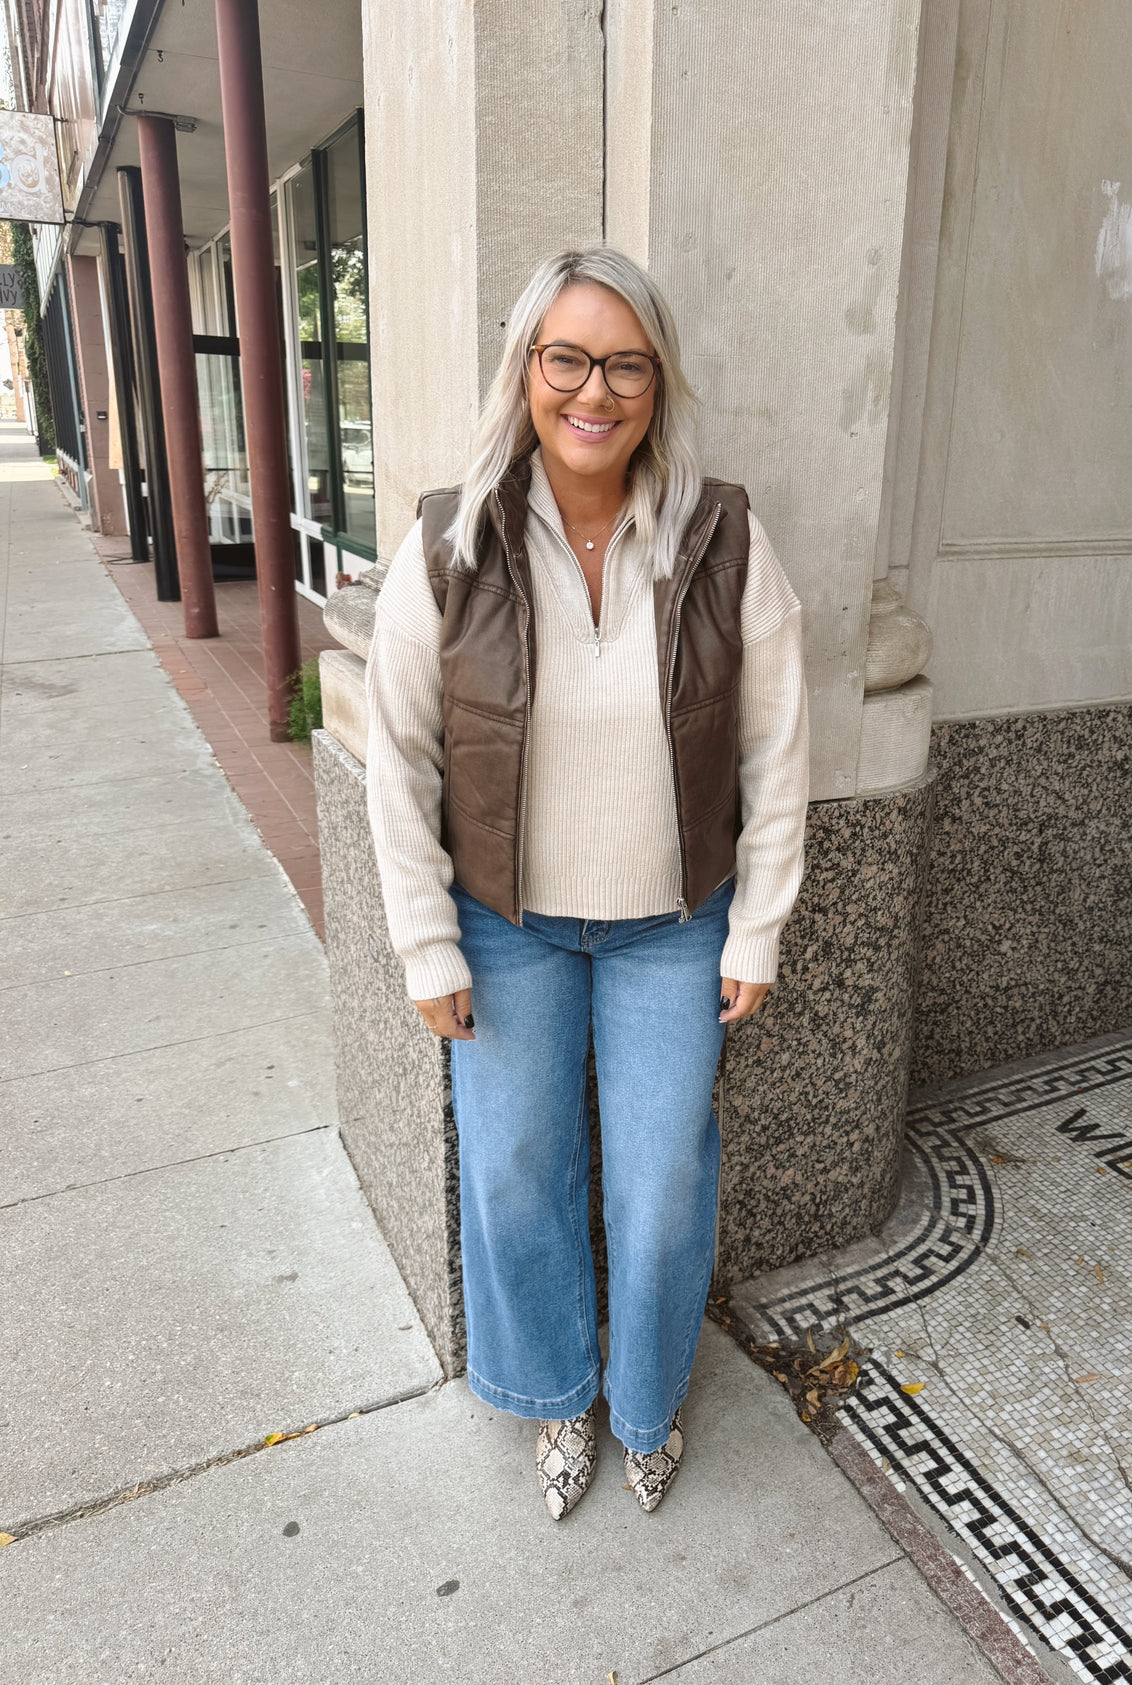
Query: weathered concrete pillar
point(483, 155)
point(173, 324)
point(757, 159)
point(108, 508)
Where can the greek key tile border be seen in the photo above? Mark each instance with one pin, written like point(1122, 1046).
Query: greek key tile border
point(1042, 1592)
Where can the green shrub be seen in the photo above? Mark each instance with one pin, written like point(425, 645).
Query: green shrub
point(306, 702)
point(23, 256)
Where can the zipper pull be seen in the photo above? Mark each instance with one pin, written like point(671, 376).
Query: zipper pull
point(685, 915)
point(597, 642)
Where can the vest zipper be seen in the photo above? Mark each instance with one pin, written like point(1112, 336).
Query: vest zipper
point(692, 561)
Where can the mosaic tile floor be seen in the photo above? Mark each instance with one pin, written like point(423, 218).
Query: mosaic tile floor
point(1002, 1287)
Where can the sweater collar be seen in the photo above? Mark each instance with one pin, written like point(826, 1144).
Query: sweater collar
point(541, 499)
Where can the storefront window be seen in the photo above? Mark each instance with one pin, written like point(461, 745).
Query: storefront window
point(304, 227)
point(345, 206)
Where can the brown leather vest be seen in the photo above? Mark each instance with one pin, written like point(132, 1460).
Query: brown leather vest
point(488, 663)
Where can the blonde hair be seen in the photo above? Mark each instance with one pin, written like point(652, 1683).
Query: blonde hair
point(664, 472)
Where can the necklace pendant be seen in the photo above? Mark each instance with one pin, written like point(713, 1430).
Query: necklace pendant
point(589, 543)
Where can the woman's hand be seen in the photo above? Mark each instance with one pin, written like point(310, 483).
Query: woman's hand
point(740, 1000)
point(449, 1015)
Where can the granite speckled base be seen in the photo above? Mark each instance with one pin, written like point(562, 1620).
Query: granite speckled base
point(811, 1098)
point(814, 1086)
point(394, 1092)
point(1027, 942)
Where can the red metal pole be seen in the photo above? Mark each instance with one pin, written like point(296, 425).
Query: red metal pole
point(176, 367)
point(253, 276)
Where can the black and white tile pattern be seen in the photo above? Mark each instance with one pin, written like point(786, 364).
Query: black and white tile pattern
point(1002, 1287)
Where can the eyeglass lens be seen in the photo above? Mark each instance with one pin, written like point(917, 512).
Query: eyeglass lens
point(567, 368)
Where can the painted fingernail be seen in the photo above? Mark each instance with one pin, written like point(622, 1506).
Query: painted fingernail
point(724, 1003)
point(469, 1022)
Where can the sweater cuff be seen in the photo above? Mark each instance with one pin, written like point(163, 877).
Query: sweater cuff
point(439, 969)
point(750, 959)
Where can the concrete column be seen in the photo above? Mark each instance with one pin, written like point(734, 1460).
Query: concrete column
point(94, 381)
point(118, 311)
point(161, 187)
point(757, 159)
point(253, 274)
point(143, 344)
point(483, 155)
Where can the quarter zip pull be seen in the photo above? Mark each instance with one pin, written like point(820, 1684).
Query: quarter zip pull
point(685, 915)
point(597, 642)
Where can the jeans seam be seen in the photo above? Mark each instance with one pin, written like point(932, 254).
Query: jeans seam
point(578, 1134)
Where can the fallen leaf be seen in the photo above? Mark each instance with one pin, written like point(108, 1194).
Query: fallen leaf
point(814, 1397)
point(810, 1339)
point(1020, 1252)
point(899, 1353)
point(834, 1357)
point(1044, 1325)
point(353, 1414)
point(7, 1539)
point(1083, 1380)
point(997, 1158)
point(912, 1386)
point(1101, 1171)
point(274, 1438)
point(1098, 1272)
point(312, 1429)
point(1081, 1259)
point(778, 1375)
point(885, 1464)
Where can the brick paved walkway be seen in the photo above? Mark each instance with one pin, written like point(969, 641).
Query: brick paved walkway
point(221, 679)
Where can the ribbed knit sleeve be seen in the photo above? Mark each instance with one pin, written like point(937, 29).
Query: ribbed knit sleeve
point(404, 763)
point(773, 768)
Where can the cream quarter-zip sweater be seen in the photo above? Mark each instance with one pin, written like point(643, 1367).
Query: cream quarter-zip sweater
point(599, 828)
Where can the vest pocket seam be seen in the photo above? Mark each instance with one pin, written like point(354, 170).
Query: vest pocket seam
point(506, 836)
point(706, 702)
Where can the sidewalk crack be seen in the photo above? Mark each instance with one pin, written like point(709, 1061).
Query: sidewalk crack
point(28, 1529)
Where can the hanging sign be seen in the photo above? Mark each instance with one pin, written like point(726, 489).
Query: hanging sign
point(11, 294)
point(29, 168)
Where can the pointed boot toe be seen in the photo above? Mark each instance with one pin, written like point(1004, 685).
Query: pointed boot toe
point(566, 1456)
point(651, 1473)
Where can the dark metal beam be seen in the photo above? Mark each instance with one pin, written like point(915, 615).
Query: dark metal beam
point(148, 382)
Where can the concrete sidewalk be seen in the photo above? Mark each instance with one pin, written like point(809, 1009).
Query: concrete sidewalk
point(187, 1265)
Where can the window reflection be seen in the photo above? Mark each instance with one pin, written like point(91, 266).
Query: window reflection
point(316, 501)
point(348, 270)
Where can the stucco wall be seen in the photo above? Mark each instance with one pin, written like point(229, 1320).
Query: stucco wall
point(1021, 551)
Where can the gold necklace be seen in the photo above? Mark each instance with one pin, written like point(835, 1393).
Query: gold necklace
point(589, 542)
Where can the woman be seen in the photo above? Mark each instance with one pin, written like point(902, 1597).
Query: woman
point(587, 787)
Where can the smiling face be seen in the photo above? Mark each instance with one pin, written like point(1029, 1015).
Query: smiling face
point(591, 433)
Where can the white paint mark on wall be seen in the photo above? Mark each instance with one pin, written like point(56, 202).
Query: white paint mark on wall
point(1114, 244)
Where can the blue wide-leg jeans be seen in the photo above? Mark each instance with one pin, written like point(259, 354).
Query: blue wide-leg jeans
point(651, 988)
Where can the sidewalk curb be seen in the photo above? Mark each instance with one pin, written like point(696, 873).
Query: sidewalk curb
point(974, 1611)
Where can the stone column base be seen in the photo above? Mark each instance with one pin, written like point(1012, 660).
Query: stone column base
point(394, 1093)
point(811, 1099)
point(814, 1086)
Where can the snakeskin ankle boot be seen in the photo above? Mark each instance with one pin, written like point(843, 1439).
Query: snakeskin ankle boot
point(566, 1456)
point(651, 1473)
